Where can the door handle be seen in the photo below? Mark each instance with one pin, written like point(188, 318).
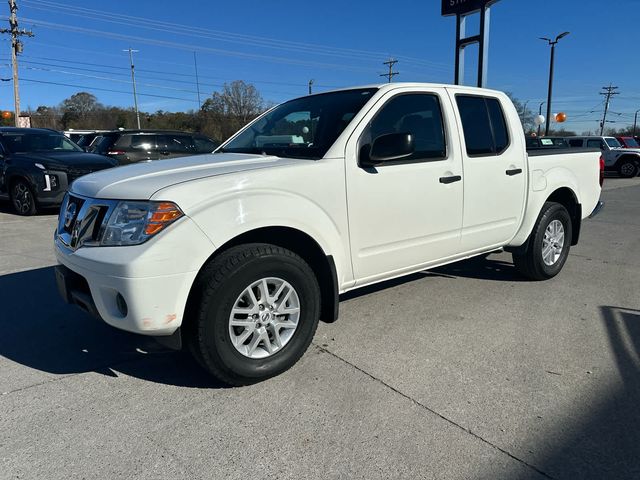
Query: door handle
point(451, 179)
point(514, 171)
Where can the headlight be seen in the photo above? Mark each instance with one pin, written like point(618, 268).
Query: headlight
point(132, 223)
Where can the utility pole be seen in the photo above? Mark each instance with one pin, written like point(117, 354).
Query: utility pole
point(390, 63)
point(635, 122)
point(195, 64)
point(133, 81)
point(16, 48)
point(608, 92)
point(310, 85)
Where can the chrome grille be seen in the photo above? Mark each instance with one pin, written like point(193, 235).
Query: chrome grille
point(82, 220)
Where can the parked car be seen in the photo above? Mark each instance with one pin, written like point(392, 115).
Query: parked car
point(625, 161)
point(37, 166)
point(131, 146)
point(240, 253)
point(546, 142)
point(628, 142)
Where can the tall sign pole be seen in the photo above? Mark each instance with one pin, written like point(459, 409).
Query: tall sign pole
point(462, 9)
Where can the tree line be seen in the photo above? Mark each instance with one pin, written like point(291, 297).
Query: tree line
point(220, 116)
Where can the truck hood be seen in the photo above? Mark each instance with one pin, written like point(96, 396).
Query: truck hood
point(140, 181)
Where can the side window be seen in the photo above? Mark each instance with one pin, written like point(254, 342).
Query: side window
point(417, 114)
point(595, 144)
point(204, 145)
point(476, 126)
point(175, 143)
point(499, 124)
point(577, 142)
point(138, 142)
point(484, 125)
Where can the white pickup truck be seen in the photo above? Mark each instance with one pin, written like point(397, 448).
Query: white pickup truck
point(239, 253)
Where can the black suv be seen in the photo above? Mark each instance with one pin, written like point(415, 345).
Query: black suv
point(130, 146)
point(38, 165)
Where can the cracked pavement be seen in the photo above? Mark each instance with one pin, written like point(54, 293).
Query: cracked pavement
point(462, 372)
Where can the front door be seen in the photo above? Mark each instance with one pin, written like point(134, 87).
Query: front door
point(404, 214)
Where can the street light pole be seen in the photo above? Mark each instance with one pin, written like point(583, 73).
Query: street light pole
point(635, 122)
point(133, 81)
point(524, 111)
point(539, 114)
point(551, 65)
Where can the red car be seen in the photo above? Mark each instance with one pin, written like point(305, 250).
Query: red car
point(628, 142)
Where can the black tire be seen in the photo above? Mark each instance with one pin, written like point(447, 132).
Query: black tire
point(214, 294)
point(530, 263)
point(627, 168)
point(23, 200)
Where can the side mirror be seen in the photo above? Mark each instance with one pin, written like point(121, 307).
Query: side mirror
point(385, 148)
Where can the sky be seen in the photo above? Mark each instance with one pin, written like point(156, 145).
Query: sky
point(280, 45)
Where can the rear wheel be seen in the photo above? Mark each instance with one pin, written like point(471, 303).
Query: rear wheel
point(256, 308)
point(627, 168)
point(22, 198)
point(548, 245)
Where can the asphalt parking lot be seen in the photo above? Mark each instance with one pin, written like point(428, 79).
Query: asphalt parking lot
point(463, 372)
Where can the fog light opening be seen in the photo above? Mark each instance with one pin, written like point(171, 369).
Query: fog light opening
point(122, 305)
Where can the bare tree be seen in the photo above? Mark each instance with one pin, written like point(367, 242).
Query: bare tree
point(231, 109)
point(78, 109)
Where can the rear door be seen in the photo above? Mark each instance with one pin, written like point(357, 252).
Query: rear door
point(406, 213)
point(495, 172)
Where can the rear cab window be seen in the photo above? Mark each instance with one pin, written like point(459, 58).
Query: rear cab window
point(484, 125)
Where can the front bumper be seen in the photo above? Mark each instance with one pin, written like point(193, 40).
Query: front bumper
point(153, 279)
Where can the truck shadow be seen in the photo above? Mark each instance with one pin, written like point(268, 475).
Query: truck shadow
point(482, 268)
point(42, 332)
point(605, 441)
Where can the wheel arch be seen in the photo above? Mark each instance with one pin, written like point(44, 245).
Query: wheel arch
point(560, 193)
point(301, 244)
point(567, 198)
point(628, 156)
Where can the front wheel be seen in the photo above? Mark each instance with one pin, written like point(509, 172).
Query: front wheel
point(255, 311)
point(22, 198)
point(548, 245)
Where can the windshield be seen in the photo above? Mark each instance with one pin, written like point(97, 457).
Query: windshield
point(613, 143)
point(19, 142)
point(631, 143)
point(302, 128)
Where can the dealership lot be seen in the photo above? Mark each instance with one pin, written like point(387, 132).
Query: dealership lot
point(465, 371)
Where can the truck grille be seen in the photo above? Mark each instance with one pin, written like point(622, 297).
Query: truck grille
point(81, 220)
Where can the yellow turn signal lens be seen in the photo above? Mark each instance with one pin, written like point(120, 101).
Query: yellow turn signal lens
point(164, 214)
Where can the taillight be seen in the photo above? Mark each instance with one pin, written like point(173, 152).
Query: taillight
point(601, 170)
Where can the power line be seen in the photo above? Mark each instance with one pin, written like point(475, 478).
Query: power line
point(191, 47)
point(106, 89)
point(138, 22)
point(608, 92)
point(16, 48)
